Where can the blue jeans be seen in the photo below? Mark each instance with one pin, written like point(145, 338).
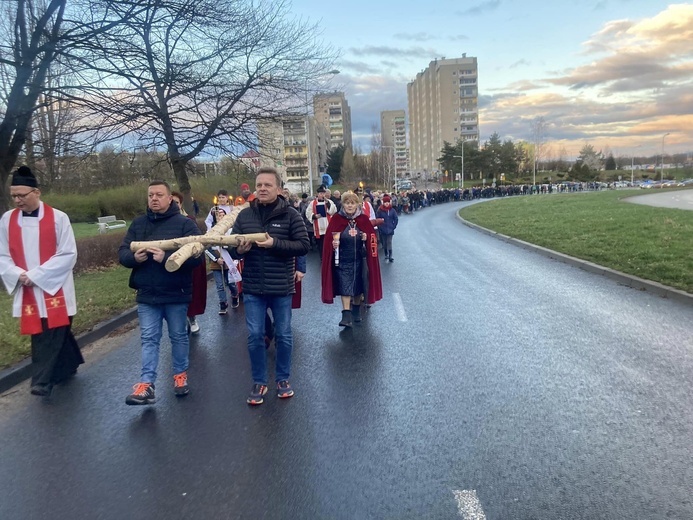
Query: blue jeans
point(255, 311)
point(221, 280)
point(151, 328)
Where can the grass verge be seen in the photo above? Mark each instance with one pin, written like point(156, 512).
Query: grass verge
point(649, 242)
point(100, 296)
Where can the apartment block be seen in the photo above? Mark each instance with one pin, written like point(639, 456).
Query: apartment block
point(332, 110)
point(393, 138)
point(284, 144)
point(443, 106)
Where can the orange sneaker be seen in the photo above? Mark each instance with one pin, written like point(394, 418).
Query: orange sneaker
point(180, 384)
point(142, 393)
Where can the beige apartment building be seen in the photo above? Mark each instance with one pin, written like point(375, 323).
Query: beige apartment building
point(393, 138)
point(443, 106)
point(284, 145)
point(332, 110)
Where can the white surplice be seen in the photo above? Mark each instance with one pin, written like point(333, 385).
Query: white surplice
point(49, 276)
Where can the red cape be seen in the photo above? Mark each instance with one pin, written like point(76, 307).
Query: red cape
point(375, 284)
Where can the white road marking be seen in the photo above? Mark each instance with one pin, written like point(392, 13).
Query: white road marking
point(468, 504)
point(399, 307)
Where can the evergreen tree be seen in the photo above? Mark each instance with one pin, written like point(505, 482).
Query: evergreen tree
point(334, 162)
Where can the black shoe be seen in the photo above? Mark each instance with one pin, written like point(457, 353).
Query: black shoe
point(142, 393)
point(257, 395)
point(356, 313)
point(346, 319)
point(391, 259)
point(42, 390)
point(234, 302)
point(284, 390)
point(223, 308)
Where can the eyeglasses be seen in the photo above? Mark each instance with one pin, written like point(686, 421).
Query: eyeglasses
point(22, 196)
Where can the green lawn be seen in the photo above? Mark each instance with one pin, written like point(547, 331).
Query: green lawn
point(89, 229)
point(649, 242)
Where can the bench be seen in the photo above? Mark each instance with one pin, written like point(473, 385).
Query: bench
point(110, 222)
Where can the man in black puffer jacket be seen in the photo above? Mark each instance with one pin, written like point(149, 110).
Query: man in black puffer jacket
point(160, 295)
point(269, 271)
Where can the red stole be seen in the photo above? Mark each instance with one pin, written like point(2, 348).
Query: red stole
point(30, 322)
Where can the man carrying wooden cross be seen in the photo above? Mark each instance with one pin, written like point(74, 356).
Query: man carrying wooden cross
point(269, 278)
point(161, 294)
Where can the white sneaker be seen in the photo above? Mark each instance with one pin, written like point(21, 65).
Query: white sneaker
point(194, 327)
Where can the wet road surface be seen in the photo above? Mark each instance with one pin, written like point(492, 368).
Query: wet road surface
point(489, 382)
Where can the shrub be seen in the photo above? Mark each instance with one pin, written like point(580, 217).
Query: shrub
point(99, 252)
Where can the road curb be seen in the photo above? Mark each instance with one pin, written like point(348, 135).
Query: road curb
point(624, 279)
point(15, 374)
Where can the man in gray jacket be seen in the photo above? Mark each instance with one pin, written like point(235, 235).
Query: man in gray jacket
point(268, 278)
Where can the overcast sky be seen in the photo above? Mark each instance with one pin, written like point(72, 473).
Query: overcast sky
point(612, 73)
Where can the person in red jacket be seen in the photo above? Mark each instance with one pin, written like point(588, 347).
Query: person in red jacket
point(350, 267)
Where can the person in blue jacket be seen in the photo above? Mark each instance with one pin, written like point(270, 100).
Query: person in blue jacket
point(387, 228)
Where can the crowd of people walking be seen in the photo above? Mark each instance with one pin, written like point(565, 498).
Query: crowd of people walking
point(352, 232)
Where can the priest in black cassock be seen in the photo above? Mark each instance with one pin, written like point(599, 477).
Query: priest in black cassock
point(37, 255)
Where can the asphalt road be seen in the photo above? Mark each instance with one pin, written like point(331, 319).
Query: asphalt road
point(681, 199)
point(490, 382)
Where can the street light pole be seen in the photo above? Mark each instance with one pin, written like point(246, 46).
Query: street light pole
point(661, 165)
point(534, 166)
point(461, 157)
point(632, 167)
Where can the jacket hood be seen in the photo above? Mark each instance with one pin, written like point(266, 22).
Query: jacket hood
point(173, 209)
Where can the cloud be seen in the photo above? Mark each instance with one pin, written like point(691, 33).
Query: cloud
point(417, 37)
point(399, 53)
point(642, 55)
point(625, 72)
point(574, 119)
point(458, 38)
point(479, 9)
point(361, 67)
point(518, 63)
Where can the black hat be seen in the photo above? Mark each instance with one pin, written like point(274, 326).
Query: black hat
point(24, 177)
point(321, 189)
point(304, 196)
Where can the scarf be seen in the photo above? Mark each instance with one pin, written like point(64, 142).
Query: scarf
point(30, 322)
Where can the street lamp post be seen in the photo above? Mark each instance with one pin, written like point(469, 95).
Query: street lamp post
point(461, 157)
point(632, 167)
point(661, 165)
point(310, 162)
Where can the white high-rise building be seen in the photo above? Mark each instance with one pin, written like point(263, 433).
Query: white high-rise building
point(443, 106)
point(393, 137)
point(284, 145)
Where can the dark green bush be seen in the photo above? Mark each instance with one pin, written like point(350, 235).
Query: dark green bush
point(99, 252)
point(127, 202)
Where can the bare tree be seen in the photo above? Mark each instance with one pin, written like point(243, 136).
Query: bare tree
point(28, 46)
point(196, 75)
